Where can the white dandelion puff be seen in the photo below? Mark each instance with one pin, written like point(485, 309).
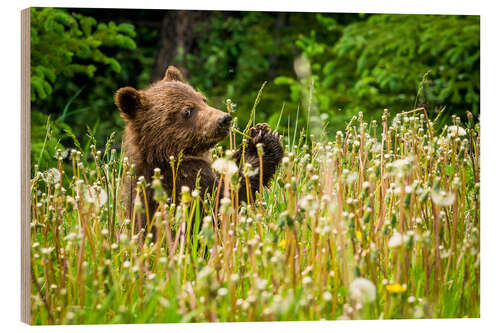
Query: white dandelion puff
point(95, 194)
point(350, 177)
point(52, 176)
point(307, 281)
point(362, 290)
point(225, 167)
point(441, 198)
point(327, 296)
point(222, 292)
point(454, 131)
point(397, 239)
point(248, 171)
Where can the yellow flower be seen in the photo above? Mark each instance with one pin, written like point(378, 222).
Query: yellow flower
point(359, 236)
point(282, 244)
point(395, 288)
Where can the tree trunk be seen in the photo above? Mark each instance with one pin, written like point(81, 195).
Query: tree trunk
point(177, 33)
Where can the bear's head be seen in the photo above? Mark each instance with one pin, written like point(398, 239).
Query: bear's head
point(170, 116)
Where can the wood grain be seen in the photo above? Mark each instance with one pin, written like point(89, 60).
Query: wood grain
point(25, 167)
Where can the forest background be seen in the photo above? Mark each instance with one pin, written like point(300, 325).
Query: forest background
point(321, 68)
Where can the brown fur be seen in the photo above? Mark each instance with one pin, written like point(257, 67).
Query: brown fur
point(157, 127)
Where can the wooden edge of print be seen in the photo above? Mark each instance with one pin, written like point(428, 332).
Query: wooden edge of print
point(25, 167)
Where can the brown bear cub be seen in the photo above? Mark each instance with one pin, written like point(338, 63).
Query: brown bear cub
point(170, 117)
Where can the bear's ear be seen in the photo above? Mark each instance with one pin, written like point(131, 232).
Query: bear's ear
point(129, 100)
point(173, 74)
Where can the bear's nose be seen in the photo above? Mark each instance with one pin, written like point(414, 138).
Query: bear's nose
point(225, 120)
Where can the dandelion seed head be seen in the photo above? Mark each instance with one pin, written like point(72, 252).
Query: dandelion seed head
point(225, 201)
point(307, 281)
point(350, 177)
point(225, 167)
point(442, 198)
point(95, 195)
point(327, 296)
point(397, 239)
point(47, 250)
point(455, 131)
point(52, 176)
point(362, 290)
point(222, 292)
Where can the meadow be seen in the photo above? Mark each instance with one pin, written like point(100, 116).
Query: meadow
point(381, 222)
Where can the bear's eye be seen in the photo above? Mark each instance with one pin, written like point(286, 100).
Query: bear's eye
point(187, 112)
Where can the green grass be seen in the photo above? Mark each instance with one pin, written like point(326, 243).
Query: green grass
point(382, 222)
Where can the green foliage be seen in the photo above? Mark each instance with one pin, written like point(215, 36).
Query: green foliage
point(64, 44)
point(111, 60)
point(226, 67)
point(237, 52)
point(46, 136)
point(378, 63)
point(321, 68)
